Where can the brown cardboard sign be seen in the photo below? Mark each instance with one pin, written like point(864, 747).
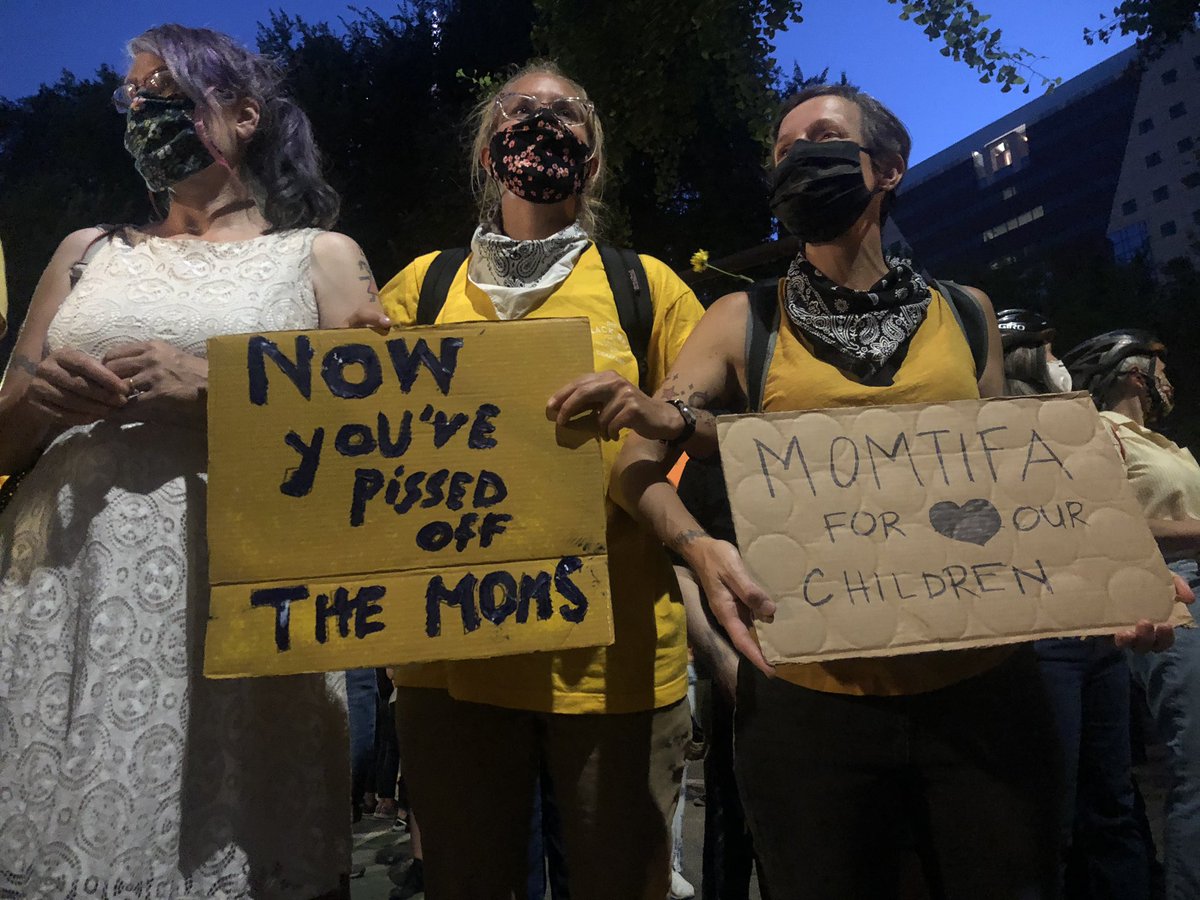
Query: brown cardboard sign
point(901, 529)
point(401, 498)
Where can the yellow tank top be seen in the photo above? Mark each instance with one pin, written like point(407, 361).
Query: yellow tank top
point(938, 366)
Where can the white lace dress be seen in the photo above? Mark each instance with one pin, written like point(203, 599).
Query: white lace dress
point(123, 772)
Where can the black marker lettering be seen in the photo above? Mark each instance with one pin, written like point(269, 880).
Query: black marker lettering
point(786, 460)
point(299, 481)
point(281, 598)
point(337, 360)
point(569, 591)
point(299, 373)
point(367, 483)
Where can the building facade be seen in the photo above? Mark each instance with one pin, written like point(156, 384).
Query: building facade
point(1107, 162)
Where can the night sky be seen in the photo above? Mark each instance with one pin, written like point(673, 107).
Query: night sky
point(941, 101)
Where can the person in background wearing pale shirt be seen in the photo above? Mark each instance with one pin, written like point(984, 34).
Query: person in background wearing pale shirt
point(1087, 682)
point(1125, 372)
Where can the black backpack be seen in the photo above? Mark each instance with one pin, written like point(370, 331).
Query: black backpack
point(626, 279)
point(762, 328)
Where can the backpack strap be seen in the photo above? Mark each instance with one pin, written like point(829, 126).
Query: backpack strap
point(635, 308)
point(762, 330)
point(436, 286)
point(971, 320)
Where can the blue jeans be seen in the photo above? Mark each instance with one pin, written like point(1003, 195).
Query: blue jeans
point(1087, 683)
point(1172, 684)
point(362, 695)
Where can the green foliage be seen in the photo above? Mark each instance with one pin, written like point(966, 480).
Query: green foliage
point(962, 28)
point(388, 99)
point(687, 94)
point(1156, 23)
point(63, 166)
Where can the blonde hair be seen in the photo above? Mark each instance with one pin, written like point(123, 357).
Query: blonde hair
point(485, 119)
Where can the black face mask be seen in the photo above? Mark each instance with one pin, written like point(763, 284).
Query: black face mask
point(160, 135)
point(539, 159)
point(817, 191)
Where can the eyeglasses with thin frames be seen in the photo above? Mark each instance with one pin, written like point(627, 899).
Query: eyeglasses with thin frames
point(159, 84)
point(570, 110)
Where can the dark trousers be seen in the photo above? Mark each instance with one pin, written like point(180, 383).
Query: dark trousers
point(385, 771)
point(840, 789)
point(1088, 684)
point(362, 695)
point(728, 860)
point(547, 856)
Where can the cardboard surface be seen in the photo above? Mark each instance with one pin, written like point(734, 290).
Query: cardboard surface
point(377, 500)
point(888, 530)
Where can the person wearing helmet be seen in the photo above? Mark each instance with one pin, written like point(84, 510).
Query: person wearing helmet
point(1126, 375)
point(1030, 366)
point(1088, 684)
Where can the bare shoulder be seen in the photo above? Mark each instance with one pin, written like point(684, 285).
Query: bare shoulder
point(333, 248)
point(981, 298)
point(75, 244)
point(724, 323)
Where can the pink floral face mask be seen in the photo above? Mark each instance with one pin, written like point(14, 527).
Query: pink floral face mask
point(540, 159)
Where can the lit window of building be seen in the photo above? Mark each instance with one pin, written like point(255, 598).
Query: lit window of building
point(1130, 242)
point(1014, 223)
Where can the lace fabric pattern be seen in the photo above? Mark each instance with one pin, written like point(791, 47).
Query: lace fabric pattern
point(124, 772)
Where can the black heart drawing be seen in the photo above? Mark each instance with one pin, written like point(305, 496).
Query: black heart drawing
point(975, 522)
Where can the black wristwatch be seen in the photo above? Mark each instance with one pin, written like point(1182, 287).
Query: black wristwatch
point(689, 423)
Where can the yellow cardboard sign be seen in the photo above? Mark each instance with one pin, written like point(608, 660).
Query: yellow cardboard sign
point(400, 498)
point(902, 529)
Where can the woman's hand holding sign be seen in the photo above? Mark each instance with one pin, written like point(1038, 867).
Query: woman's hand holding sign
point(1151, 637)
point(621, 405)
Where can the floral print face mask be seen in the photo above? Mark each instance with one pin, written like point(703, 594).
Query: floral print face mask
point(539, 159)
point(161, 137)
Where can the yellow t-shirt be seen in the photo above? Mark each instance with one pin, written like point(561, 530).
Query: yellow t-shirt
point(1166, 481)
point(938, 366)
point(1164, 476)
point(646, 666)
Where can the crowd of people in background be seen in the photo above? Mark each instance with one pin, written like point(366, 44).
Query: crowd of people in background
point(998, 772)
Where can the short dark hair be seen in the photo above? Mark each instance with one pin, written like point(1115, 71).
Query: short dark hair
point(883, 132)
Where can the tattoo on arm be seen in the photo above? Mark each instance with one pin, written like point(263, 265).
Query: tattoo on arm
point(24, 364)
point(686, 537)
point(365, 276)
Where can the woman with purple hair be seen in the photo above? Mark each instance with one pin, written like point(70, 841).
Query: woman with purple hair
point(123, 772)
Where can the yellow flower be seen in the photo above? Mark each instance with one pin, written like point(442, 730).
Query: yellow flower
point(699, 260)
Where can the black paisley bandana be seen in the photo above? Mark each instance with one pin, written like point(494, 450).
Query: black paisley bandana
point(161, 137)
point(862, 328)
point(539, 159)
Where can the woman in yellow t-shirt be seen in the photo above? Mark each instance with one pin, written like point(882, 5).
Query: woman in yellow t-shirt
point(844, 765)
point(1126, 374)
point(609, 723)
